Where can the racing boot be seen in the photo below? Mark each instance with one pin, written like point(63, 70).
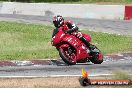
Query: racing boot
point(91, 47)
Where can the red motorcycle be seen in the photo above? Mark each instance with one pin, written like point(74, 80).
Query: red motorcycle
point(72, 50)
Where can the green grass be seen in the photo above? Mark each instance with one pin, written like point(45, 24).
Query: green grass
point(93, 1)
point(122, 76)
point(111, 43)
point(19, 41)
point(25, 41)
point(107, 1)
point(81, 1)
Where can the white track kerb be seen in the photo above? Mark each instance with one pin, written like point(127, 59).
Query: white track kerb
point(67, 10)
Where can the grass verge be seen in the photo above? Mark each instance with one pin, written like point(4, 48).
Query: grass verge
point(122, 75)
point(106, 1)
point(79, 1)
point(19, 41)
point(129, 2)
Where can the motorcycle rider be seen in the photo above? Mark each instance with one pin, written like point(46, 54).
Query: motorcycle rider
point(59, 21)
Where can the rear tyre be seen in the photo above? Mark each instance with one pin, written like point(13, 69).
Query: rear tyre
point(67, 56)
point(97, 57)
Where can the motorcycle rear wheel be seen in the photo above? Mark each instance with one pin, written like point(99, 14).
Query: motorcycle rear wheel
point(66, 58)
point(97, 57)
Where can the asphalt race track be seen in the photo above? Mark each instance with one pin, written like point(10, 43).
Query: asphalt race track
point(105, 68)
point(52, 68)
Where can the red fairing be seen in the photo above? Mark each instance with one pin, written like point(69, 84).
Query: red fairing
point(82, 53)
point(78, 45)
point(64, 45)
point(61, 39)
point(71, 48)
point(70, 43)
point(71, 39)
point(58, 37)
point(87, 37)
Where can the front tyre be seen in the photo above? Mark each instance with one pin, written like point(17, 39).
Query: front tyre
point(68, 55)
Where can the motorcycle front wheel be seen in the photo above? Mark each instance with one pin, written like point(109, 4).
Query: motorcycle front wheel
point(68, 55)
